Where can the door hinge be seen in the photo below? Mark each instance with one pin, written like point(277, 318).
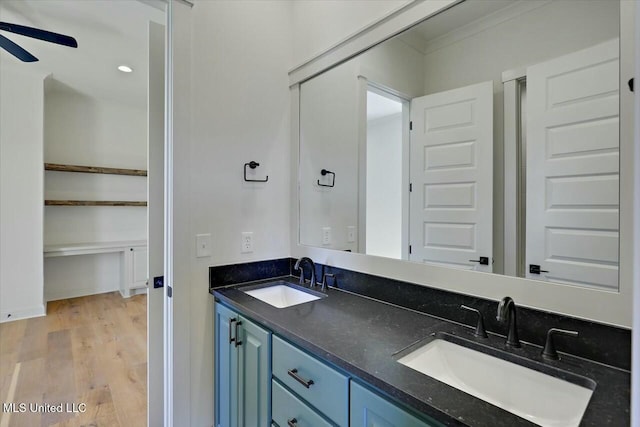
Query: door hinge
point(169, 291)
point(410, 187)
point(630, 83)
point(410, 125)
point(409, 249)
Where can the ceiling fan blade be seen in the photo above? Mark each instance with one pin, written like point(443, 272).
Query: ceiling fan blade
point(16, 50)
point(37, 33)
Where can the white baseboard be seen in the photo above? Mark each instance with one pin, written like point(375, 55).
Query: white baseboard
point(23, 313)
point(75, 293)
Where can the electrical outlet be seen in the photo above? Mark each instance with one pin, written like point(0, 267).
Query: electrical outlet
point(351, 233)
point(247, 242)
point(203, 245)
point(326, 235)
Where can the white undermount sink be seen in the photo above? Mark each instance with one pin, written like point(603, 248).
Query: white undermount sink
point(540, 398)
point(281, 295)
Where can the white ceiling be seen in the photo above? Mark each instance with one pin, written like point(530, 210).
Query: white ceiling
point(109, 33)
point(379, 106)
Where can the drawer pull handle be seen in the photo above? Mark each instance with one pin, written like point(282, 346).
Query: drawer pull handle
point(294, 373)
point(238, 342)
point(292, 422)
point(231, 339)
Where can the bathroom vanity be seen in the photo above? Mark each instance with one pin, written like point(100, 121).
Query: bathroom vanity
point(340, 359)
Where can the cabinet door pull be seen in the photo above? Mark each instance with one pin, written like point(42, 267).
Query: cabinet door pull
point(292, 422)
point(231, 338)
point(294, 374)
point(238, 342)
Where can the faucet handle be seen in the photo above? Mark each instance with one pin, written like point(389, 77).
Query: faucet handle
point(549, 351)
point(324, 280)
point(480, 331)
point(302, 281)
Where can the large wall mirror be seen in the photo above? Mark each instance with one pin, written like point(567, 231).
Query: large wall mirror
point(402, 147)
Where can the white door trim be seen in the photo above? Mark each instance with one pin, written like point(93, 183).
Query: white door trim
point(168, 223)
point(635, 368)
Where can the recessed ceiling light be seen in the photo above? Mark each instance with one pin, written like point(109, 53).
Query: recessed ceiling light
point(125, 68)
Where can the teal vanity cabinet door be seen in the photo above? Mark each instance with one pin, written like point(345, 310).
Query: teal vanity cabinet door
point(370, 410)
point(242, 371)
point(254, 379)
point(226, 367)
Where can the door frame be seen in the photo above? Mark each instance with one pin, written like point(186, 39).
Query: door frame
point(177, 357)
point(365, 85)
point(513, 83)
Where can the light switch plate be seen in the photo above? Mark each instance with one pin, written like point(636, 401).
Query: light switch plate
point(351, 234)
point(203, 245)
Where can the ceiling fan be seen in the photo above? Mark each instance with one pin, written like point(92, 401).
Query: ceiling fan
point(35, 33)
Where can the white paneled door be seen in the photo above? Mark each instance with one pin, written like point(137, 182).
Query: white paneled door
point(451, 173)
point(572, 168)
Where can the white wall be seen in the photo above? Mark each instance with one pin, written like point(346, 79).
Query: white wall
point(384, 186)
point(544, 33)
point(81, 130)
point(329, 140)
point(21, 192)
point(332, 106)
point(74, 276)
point(239, 111)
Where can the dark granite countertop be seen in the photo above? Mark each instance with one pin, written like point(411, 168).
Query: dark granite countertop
point(363, 337)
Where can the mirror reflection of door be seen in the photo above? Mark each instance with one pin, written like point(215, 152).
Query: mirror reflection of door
point(384, 189)
point(573, 168)
point(451, 213)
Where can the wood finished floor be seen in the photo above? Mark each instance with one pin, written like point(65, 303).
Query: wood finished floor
point(89, 350)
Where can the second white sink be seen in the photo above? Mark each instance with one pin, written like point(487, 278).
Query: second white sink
point(540, 398)
point(282, 296)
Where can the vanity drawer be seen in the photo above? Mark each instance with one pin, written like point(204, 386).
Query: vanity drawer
point(287, 410)
point(326, 389)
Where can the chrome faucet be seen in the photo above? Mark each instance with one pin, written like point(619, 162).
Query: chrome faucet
point(507, 312)
point(298, 266)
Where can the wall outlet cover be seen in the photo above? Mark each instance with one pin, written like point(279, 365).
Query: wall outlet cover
point(247, 242)
point(326, 235)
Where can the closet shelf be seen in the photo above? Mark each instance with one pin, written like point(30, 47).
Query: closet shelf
point(92, 203)
point(93, 169)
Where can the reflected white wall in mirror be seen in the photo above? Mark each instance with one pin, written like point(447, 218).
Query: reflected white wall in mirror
point(385, 149)
point(442, 202)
